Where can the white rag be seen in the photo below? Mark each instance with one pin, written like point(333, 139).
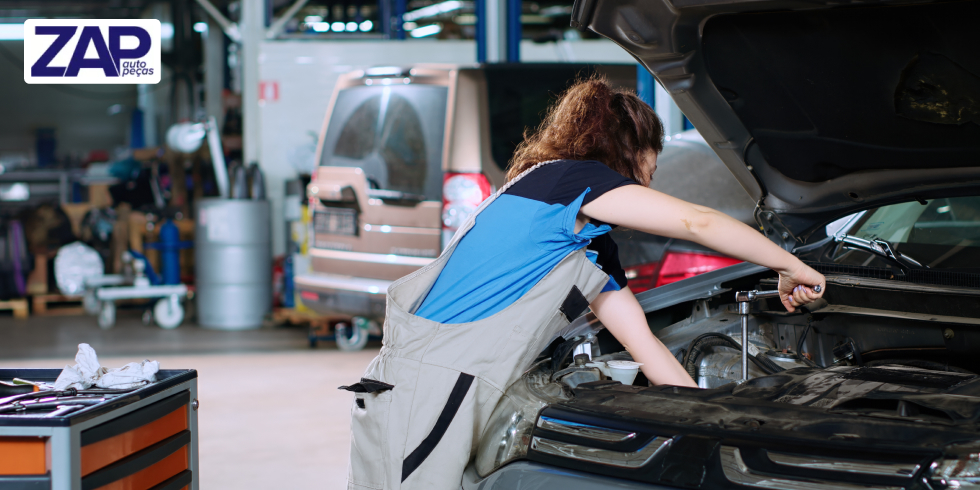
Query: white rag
point(88, 372)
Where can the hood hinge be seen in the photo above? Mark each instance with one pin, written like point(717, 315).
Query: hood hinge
point(773, 227)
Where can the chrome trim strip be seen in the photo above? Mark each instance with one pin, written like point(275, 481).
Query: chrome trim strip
point(602, 456)
point(369, 257)
point(906, 470)
point(342, 283)
point(738, 472)
point(130, 292)
point(584, 430)
point(412, 230)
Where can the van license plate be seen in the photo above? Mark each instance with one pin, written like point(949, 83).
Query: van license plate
point(335, 221)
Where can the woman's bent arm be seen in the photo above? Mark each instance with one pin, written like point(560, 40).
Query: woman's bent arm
point(622, 315)
point(644, 209)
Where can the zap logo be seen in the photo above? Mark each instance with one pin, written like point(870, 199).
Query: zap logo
point(92, 51)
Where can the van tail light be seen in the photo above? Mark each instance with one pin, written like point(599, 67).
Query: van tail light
point(674, 267)
point(462, 193)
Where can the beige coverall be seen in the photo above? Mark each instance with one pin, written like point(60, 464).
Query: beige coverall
point(425, 400)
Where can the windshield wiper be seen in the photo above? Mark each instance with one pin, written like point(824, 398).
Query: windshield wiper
point(880, 248)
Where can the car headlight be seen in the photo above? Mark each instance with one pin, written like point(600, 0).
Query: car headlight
point(508, 434)
point(958, 468)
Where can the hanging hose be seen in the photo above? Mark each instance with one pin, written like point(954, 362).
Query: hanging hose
point(695, 352)
point(799, 346)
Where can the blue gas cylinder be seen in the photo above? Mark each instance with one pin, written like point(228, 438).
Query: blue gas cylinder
point(170, 252)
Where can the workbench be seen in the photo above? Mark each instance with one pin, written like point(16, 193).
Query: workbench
point(142, 440)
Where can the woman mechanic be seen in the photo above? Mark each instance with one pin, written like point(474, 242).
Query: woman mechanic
point(533, 257)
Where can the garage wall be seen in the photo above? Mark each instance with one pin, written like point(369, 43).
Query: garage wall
point(78, 112)
point(302, 74)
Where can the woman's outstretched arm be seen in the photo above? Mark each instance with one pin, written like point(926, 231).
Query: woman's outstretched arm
point(622, 315)
point(644, 209)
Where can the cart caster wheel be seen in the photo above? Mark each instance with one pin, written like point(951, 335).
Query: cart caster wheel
point(352, 337)
point(107, 315)
point(168, 313)
point(90, 303)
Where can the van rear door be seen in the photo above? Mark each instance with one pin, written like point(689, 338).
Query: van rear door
point(378, 190)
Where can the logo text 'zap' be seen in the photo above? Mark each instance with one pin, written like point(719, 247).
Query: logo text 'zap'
point(92, 51)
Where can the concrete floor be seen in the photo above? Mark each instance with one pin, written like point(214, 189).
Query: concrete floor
point(271, 415)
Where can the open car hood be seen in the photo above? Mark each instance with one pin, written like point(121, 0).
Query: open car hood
point(819, 107)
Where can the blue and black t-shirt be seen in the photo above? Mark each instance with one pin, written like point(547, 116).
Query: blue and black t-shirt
point(522, 236)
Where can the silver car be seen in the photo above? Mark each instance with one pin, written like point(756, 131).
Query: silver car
point(854, 127)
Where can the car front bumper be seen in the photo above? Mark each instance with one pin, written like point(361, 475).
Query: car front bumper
point(525, 475)
point(336, 294)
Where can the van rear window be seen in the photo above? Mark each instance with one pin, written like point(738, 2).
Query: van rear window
point(394, 133)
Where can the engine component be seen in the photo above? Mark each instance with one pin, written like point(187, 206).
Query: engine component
point(720, 367)
point(578, 372)
point(695, 352)
point(570, 348)
point(847, 351)
point(785, 360)
point(743, 298)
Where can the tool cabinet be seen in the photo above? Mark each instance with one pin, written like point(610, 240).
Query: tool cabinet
point(143, 440)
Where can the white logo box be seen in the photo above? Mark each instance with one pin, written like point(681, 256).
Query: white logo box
point(112, 51)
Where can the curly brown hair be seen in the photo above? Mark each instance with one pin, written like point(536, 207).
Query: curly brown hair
point(593, 121)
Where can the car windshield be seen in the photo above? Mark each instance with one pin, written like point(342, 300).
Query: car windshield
point(394, 133)
point(938, 233)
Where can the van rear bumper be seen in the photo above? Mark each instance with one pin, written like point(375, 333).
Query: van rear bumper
point(331, 293)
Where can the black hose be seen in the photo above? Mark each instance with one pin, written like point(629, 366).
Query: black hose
point(695, 352)
point(799, 347)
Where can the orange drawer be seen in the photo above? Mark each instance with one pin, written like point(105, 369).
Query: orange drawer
point(100, 454)
point(23, 456)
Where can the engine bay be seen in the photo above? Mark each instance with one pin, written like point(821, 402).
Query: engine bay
point(870, 346)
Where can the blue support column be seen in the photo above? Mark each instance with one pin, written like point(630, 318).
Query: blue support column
point(646, 86)
point(385, 19)
point(399, 12)
point(481, 31)
point(514, 8)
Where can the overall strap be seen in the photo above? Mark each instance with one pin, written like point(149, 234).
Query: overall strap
point(472, 219)
point(411, 302)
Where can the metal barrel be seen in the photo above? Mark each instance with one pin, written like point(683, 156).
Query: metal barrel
point(233, 260)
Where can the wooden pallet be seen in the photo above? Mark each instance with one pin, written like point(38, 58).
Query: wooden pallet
point(56, 304)
point(18, 306)
point(290, 316)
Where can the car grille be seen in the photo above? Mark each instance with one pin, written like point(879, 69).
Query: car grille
point(736, 471)
point(907, 470)
point(632, 451)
